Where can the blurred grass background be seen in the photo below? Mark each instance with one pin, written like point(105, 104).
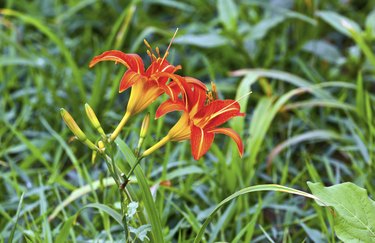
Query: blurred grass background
point(309, 116)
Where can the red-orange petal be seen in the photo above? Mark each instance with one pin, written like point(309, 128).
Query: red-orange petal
point(231, 133)
point(196, 82)
point(180, 81)
point(201, 141)
point(169, 106)
point(128, 79)
point(158, 66)
point(219, 111)
point(131, 61)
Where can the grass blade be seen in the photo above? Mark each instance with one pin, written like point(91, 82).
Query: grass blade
point(148, 201)
point(271, 187)
point(17, 216)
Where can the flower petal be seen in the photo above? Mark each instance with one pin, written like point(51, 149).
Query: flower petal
point(181, 130)
point(128, 79)
point(169, 106)
point(180, 81)
point(158, 66)
point(231, 133)
point(196, 82)
point(131, 61)
point(201, 141)
point(218, 112)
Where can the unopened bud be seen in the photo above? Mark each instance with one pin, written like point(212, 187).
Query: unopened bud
point(143, 132)
point(101, 145)
point(93, 156)
point(69, 121)
point(145, 125)
point(94, 119)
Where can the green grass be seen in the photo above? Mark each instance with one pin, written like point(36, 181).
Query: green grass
point(309, 117)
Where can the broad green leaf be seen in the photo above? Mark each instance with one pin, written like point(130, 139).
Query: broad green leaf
point(324, 50)
point(340, 23)
point(208, 40)
point(354, 215)
point(228, 14)
point(260, 30)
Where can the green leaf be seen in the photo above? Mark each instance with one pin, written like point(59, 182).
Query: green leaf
point(111, 212)
point(17, 216)
point(260, 30)
point(148, 201)
point(228, 14)
point(54, 38)
point(354, 215)
point(79, 192)
point(208, 40)
point(324, 50)
point(258, 188)
point(63, 234)
point(370, 23)
point(340, 23)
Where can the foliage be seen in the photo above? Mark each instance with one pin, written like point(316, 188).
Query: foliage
point(354, 211)
point(309, 117)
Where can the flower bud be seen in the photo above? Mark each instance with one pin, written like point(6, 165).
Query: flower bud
point(93, 156)
point(145, 125)
point(69, 121)
point(101, 146)
point(143, 132)
point(94, 119)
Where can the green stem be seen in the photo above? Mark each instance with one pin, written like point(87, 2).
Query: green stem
point(132, 169)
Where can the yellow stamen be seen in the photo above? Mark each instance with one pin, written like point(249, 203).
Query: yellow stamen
point(169, 46)
point(157, 51)
point(147, 44)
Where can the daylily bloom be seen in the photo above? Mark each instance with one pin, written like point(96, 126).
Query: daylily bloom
point(200, 118)
point(147, 85)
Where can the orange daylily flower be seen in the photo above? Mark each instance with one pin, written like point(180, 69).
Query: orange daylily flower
point(147, 85)
point(200, 118)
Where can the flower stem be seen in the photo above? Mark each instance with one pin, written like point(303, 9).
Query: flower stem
point(156, 146)
point(122, 123)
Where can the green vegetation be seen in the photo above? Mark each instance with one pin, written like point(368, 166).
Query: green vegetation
point(310, 67)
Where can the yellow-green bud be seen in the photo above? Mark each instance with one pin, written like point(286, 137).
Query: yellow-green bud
point(94, 119)
point(69, 121)
point(101, 145)
point(93, 156)
point(145, 125)
point(143, 132)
